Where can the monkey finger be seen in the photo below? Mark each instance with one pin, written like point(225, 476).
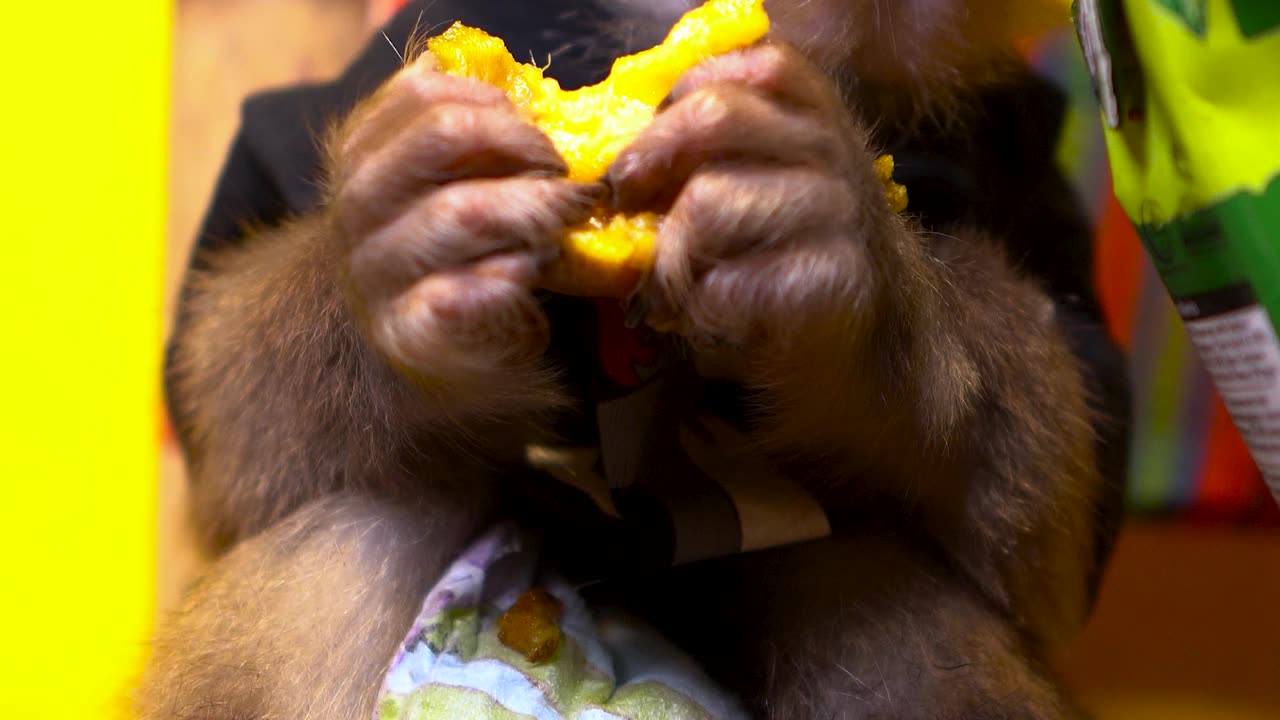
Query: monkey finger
point(776, 296)
point(465, 322)
point(774, 69)
point(402, 99)
point(727, 209)
point(463, 222)
point(717, 123)
point(448, 142)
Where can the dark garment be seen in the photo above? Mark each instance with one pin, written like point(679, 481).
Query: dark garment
point(1000, 176)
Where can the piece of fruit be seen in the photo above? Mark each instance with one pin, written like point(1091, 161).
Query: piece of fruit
point(609, 255)
point(531, 626)
point(895, 193)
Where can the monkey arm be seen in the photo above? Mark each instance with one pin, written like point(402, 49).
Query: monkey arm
point(278, 398)
point(956, 395)
point(905, 368)
point(276, 391)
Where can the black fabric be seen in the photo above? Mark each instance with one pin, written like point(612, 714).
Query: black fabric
point(272, 170)
point(999, 175)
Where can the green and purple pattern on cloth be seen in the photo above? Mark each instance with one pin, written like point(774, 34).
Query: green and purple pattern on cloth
point(452, 666)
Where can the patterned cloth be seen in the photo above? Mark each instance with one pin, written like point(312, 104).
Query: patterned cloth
point(607, 667)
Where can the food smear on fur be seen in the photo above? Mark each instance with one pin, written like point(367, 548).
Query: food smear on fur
point(895, 193)
point(531, 626)
point(609, 255)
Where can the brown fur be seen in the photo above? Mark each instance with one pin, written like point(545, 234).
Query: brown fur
point(389, 347)
point(300, 621)
point(913, 59)
point(882, 629)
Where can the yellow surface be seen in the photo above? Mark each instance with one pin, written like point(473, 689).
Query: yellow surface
point(1173, 707)
point(1214, 100)
point(895, 193)
point(84, 208)
point(591, 125)
point(1185, 626)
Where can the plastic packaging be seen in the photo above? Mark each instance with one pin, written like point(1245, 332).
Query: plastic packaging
point(1190, 99)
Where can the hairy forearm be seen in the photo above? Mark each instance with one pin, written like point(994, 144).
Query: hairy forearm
point(953, 393)
point(277, 397)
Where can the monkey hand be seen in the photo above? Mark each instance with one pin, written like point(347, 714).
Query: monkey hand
point(770, 195)
point(446, 206)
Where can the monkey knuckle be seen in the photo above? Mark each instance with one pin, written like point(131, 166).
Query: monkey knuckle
point(770, 65)
point(462, 212)
point(766, 65)
point(423, 329)
point(422, 62)
point(472, 136)
point(779, 292)
point(819, 145)
point(452, 122)
point(827, 195)
point(398, 331)
point(351, 148)
point(710, 109)
point(503, 326)
point(482, 93)
point(708, 192)
point(712, 71)
point(366, 266)
point(354, 211)
point(462, 209)
point(419, 79)
point(469, 210)
point(454, 309)
point(403, 251)
point(824, 270)
point(673, 280)
point(458, 121)
point(540, 208)
point(521, 327)
point(464, 310)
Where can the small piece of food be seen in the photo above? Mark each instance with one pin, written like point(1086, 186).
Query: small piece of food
point(896, 194)
point(531, 626)
point(609, 255)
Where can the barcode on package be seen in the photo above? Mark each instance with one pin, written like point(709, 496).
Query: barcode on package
point(1238, 345)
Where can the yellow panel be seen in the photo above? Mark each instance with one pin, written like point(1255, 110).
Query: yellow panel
point(83, 207)
point(1215, 99)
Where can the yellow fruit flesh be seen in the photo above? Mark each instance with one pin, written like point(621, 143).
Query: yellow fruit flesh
point(531, 626)
point(895, 193)
point(591, 125)
point(609, 255)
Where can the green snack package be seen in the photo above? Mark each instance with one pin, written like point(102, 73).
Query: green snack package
point(1190, 97)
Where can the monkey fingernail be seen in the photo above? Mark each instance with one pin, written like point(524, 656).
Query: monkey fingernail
point(624, 194)
point(592, 194)
point(546, 169)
